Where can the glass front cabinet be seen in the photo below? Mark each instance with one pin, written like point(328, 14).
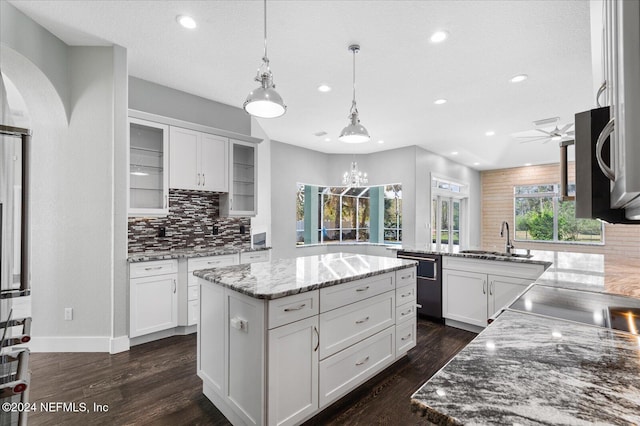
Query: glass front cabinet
point(148, 163)
point(242, 197)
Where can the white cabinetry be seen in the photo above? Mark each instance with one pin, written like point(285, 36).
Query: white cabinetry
point(293, 372)
point(279, 362)
point(474, 290)
point(153, 299)
point(198, 161)
point(148, 168)
point(242, 197)
point(255, 256)
point(190, 317)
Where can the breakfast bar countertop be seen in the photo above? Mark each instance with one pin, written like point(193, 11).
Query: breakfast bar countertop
point(529, 369)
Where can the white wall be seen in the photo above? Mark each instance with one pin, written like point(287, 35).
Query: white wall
point(74, 218)
point(262, 220)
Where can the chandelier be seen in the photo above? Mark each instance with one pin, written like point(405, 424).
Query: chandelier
point(354, 177)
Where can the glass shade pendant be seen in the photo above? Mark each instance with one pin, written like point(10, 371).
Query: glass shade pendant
point(354, 132)
point(264, 101)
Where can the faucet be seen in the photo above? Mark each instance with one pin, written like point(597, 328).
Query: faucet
point(508, 245)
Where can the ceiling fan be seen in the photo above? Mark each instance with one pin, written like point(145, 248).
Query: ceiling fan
point(544, 135)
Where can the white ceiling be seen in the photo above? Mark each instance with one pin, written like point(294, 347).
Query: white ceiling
point(399, 71)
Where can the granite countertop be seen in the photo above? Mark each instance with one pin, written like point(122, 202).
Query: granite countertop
point(528, 369)
point(535, 259)
point(186, 253)
point(284, 277)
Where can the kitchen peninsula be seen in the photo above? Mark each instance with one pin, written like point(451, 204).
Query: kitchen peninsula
point(279, 341)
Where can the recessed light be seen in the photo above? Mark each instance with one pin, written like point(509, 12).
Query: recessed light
point(518, 78)
point(186, 21)
point(440, 101)
point(476, 164)
point(527, 164)
point(324, 88)
point(327, 139)
point(380, 141)
point(490, 133)
point(454, 153)
point(439, 36)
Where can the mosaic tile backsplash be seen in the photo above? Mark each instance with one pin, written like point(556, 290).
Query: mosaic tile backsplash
point(189, 225)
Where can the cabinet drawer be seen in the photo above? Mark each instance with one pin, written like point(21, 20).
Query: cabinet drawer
point(344, 294)
point(209, 262)
point(345, 326)
point(193, 311)
point(149, 269)
point(193, 292)
point(405, 294)
point(292, 308)
point(405, 277)
point(344, 371)
point(254, 256)
point(405, 337)
point(406, 312)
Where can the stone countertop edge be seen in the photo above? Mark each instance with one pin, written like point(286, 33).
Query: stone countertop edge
point(432, 415)
point(188, 253)
point(545, 263)
point(212, 275)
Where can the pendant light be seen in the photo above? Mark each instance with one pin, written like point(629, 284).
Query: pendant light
point(264, 101)
point(354, 132)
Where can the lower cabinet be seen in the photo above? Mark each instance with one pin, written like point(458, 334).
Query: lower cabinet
point(293, 372)
point(153, 298)
point(262, 361)
point(472, 294)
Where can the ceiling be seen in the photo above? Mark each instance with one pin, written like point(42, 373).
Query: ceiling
point(400, 73)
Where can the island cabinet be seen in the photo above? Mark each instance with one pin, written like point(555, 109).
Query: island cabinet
point(473, 290)
point(280, 361)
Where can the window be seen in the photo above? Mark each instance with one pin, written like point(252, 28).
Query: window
point(333, 214)
point(449, 201)
point(540, 215)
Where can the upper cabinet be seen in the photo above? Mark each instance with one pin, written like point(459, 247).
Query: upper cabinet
point(198, 161)
point(242, 197)
point(148, 173)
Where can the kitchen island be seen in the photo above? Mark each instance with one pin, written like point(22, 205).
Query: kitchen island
point(567, 351)
point(279, 341)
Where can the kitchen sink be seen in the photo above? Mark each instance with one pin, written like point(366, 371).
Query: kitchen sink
point(496, 253)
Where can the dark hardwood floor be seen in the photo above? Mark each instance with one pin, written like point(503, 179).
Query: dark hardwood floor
point(156, 383)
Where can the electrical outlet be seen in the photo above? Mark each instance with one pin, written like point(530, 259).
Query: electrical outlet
point(242, 229)
point(162, 232)
point(68, 314)
point(215, 230)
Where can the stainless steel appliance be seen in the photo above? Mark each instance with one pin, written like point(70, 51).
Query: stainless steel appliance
point(429, 292)
point(14, 271)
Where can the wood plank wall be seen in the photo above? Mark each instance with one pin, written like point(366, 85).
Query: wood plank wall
point(497, 205)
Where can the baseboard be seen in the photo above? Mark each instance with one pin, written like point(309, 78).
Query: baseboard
point(463, 326)
point(118, 344)
point(69, 344)
point(177, 331)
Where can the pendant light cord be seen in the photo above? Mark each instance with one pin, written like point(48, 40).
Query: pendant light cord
point(265, 32)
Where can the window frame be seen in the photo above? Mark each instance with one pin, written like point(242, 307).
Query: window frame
point(555, 196)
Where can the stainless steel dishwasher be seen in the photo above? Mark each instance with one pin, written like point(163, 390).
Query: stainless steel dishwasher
point(429, 283)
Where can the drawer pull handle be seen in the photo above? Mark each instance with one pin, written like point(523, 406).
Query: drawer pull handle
point(407, 337)
point(317, 334)
point(295, 309)
point(213, 262)
point(151, 268)
point(404, 277)
point(363, 361)
point(406, 313)
point(406, 294)
point(362, 320)
point(362, 288)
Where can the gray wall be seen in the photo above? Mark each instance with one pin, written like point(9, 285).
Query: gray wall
point(77, 201)
point(411, 166)
point(156, 99)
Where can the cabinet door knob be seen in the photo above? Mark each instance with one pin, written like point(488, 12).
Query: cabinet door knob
point(198, 179)
point(491, 288)
point(484, 287)
point(175, 286)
